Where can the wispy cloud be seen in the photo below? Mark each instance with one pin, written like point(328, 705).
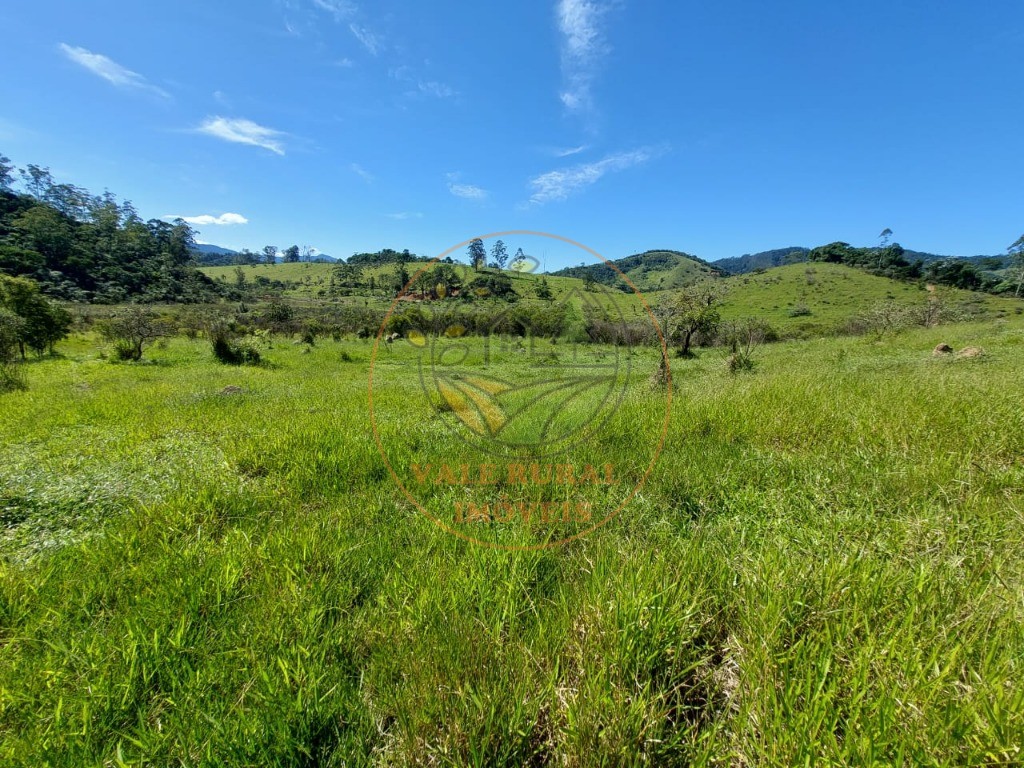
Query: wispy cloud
point(405, 74)
point(465, 191)
point(341, 9)
point(206, 220)
point(569, 151)
point(241, 131)
point(434, 88)
point(404, 215)
point(110, 70)
point(345, 63)
point(559, 185)
point(583, 43)
point(362, 173)
point(369, 40)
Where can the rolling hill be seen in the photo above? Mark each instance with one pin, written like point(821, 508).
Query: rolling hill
point(649, 271)
point(751, 262)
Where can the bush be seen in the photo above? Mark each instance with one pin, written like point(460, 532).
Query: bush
point(738, 362)
point(228, 348)
point(131, 329)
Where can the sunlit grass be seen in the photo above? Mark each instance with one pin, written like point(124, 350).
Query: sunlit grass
point(825, 567)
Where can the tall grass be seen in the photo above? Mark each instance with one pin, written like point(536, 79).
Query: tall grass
point(825, 567)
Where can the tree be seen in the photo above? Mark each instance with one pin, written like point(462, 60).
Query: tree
point(477, 254)
point(688, 312)
point(43, 323)
point(518, 261)
point(291, 253)
point(884, 236)
point(499, 253)
point(400, 279)
point(270, 254)
point(544, 290)
point(11, 327)
point(6, 173)
point(1016, 252)
point(131, 329)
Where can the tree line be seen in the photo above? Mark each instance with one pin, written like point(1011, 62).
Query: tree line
point(91, 248)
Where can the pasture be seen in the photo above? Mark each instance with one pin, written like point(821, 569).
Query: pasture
point(206, 564)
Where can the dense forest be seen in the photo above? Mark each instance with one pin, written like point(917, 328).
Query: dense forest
point(91, 248)
point(891, 261)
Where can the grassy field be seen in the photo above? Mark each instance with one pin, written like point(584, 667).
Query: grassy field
point(798, 300)
point(825, 567)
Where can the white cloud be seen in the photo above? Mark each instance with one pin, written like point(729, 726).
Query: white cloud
point(403, 215)
point(571, 151)
point(206, 220)
point(370, 41)
point(434, 88)
point(559, 185)
point(243, 131)
point(345, 63)
point(110, 70)
point(362, 173)
point(582, 45)
point(342, 9)
point(405, 74)
point(467, 191)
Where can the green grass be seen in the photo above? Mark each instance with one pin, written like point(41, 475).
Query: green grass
point(833, 294)
point(825, 567)
point(800, 300)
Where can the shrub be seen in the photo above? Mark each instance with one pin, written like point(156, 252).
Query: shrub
point(228, 348)
point(738, 362)
point(131, 329)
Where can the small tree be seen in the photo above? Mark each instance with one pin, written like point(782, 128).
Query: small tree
point(519, 261)
point(690, 311)
point(6, 173)
point(884, 236)
point(743, 337)
point(270, 254)
point(43, 323)
point(291, 253)
point(477, 254)
point(1016, 252)
point(131, 329)
point(499, 254)
point(11, 328)
point(544, 290)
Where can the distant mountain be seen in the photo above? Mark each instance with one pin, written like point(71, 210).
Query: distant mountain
point(648, 271)
point(209, 255)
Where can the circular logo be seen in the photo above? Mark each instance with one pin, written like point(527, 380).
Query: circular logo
point(508, 404)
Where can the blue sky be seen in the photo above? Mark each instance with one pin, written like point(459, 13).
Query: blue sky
point(715, 128)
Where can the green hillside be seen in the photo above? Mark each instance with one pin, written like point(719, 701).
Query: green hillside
point(648, 271)
point(814, 298)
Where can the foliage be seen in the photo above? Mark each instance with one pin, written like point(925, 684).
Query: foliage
point(11, 329)
point(1016, 272)
point(544, 290)
point(43, 322)
point(131, 329)
point(499, 254)
point(228, 347)
point(81, 247)
point(688, 312)
point(491, 286)
point(477, 254)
